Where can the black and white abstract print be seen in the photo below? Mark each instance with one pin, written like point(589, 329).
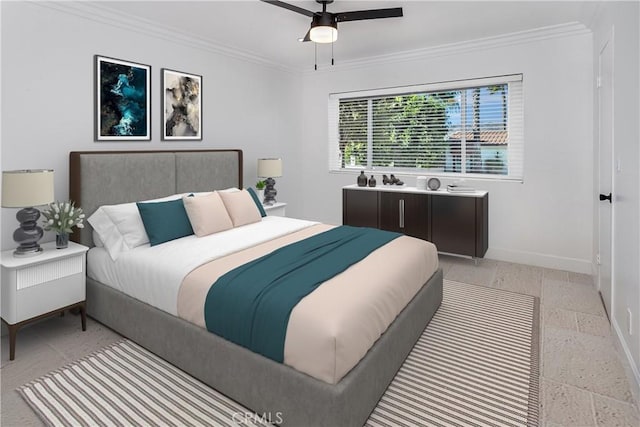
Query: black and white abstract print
point(182, 99)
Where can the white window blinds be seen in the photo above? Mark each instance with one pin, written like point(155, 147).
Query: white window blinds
point(472, 128)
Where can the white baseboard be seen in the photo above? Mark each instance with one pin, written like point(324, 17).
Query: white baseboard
point(632, 371)
point(541, 260)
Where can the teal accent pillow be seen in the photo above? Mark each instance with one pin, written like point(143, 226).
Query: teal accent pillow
point(165, 221)
point(254, 196)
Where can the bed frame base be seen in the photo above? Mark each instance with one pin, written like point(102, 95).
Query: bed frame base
point(258, 383)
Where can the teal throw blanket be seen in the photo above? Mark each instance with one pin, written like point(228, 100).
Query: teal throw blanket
point(251, 304)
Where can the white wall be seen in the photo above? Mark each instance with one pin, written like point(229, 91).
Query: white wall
point(621, 20)
point(48, 85)
point(547, 220)
point(47, 82)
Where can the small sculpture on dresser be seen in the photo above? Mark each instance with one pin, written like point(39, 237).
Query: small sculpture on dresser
point(362, 179)
point(393, 180)
point(372, 181)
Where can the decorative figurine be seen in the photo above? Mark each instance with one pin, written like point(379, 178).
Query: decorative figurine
point(393, 180)
point(385, 180)
point(372, 181)
point(362, 179)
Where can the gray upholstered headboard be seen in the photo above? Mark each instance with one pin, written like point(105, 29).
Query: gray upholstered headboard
point(99, 178)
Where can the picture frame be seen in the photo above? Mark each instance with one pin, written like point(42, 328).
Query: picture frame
point(181, 106)
point(123, 100)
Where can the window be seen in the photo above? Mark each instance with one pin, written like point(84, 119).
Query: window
point(469, 128)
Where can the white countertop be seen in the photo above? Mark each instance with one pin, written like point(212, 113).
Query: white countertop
point(407, 189)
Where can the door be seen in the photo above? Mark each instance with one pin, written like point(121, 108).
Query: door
point(606, 184)
point(404, 213)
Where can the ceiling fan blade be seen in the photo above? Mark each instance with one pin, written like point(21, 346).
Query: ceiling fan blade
point(359, 15)
point(289, 7)
point(307, 37)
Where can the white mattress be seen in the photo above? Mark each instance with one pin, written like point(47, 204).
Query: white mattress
point(154, 274)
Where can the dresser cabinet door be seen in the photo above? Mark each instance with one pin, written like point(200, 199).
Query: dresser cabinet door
point(453, 224)
point(360, 208)
point(405, 213)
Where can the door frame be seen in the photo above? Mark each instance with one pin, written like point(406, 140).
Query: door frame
point(610, 43)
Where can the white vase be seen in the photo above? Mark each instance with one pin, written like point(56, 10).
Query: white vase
point(260, 194)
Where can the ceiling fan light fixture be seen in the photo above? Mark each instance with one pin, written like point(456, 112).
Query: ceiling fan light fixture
point(324, 28)
point(324, 34)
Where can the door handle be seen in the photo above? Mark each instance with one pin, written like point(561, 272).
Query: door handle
point(607, 197)
point(401, 206)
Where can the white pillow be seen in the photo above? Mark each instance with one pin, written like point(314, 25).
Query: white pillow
point(120, 227)
point(111, 238)
point(97, 241)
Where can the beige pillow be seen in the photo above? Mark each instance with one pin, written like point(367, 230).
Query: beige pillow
point(241, 207)
point(207, 214)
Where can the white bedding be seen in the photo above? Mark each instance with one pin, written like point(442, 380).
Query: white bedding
point(361, 302)
point(154, 274)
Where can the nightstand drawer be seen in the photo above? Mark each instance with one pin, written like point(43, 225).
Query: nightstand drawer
point(49, 296)
point(42, 273)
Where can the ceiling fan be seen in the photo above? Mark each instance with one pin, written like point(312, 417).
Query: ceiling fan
point(324, 25)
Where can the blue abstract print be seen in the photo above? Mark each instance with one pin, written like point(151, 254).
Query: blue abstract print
point(123, 100)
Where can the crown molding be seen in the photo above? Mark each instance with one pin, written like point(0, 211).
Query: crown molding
point(93, 11)
point(520, 37)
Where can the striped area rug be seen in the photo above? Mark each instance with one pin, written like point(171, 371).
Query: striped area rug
point(476, 364)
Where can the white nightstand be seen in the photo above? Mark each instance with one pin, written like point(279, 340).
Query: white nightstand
point(42, 285)
point(276, 209)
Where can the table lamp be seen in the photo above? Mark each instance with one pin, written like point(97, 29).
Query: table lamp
point(269, 168)
point(26, 189)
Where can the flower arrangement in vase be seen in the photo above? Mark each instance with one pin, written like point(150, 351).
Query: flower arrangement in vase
point(62, 217)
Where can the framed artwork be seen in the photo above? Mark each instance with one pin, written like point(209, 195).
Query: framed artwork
point(182, 106)
point(123, 100)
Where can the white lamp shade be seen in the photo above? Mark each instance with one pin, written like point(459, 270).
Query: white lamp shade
point(269, 168)
point(27, 188)
point(323, 34)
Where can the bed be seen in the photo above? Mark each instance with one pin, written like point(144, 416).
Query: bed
point(257, 382)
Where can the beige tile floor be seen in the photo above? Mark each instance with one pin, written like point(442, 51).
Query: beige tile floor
point(583, 381)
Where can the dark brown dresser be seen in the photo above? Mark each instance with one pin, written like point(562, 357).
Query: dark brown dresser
point(457, 223)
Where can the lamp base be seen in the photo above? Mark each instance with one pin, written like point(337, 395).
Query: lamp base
point(28, 234)
point(21, 253)
point(270, 192)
